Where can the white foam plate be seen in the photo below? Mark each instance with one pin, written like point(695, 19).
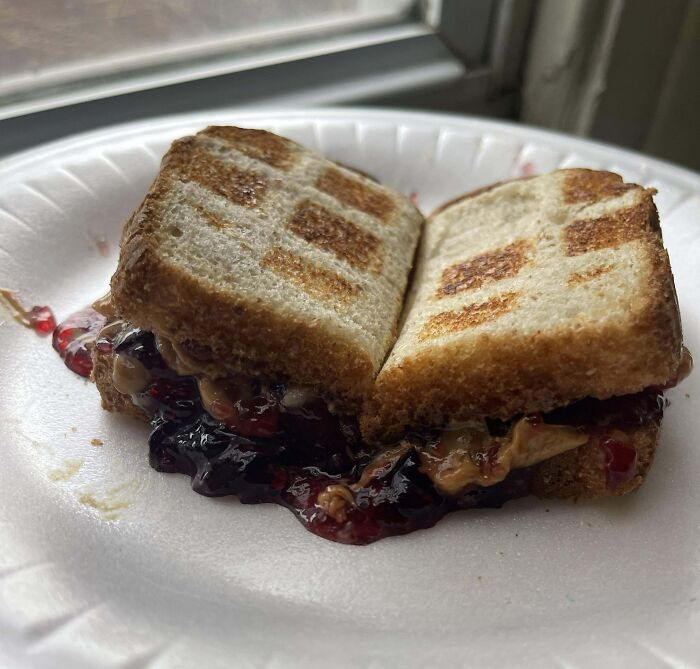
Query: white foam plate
point(107, 563)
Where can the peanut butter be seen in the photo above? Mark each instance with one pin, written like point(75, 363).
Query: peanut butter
point(686, 365)
point(215, 398)
point(469, 456)
point(336, 499)
point(178, 359)
point(105, 306)
point(111, 329)
point(129, 376)
point(296, 397)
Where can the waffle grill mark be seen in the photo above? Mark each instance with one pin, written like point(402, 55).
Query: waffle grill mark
point(212, 219)
point(582, 277)
point(320, 283)
point(606, 232)
point(592, 186)
point(194, 164)
point(335, 234)
point(355, 193)
point(469, 316)
point(490, 266)
point(257, 144)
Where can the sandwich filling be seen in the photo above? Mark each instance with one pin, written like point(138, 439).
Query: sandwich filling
point(275, 442)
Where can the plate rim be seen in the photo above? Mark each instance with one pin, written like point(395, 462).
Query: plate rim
point(13, 164)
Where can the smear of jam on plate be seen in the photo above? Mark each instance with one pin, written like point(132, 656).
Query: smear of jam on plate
point(37, 318)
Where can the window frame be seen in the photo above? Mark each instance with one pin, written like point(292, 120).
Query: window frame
point(440, 55)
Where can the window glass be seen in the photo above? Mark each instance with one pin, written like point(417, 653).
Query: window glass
point(54, 41)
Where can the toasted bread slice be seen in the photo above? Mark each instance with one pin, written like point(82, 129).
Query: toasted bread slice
point(270, 260)
point(528, 296)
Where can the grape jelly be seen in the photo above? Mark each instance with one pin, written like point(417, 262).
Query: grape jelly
point(266, 451)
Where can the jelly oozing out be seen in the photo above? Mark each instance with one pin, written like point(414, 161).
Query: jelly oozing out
point(268, 452)
point(309, 450)
point(42, 320)
point(74, 338)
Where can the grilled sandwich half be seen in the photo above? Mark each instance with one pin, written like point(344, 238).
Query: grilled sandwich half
point(253, 319)
point(541, 325)
point(253, 255)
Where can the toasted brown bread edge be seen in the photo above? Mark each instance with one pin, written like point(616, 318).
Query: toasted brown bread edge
point(580, 474)
point(158, 297)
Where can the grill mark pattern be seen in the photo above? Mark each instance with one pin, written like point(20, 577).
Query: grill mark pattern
point(581, 236)
point(355, 193)
point(194, 164)
point(257, 144)
point(484, 268)
point(590, 186)
point(576, 278)
point(318, 282)
point(212, 219)
point(607, 231)
point(469, 316)
point(341, 237)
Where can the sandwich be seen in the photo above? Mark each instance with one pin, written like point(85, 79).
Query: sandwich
point(539, 333)
point(259, 318)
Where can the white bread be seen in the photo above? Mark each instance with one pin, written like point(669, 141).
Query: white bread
point(527, 296)
point(270, 260)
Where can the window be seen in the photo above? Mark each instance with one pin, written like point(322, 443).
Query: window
point(48, 43)
point(69, 65)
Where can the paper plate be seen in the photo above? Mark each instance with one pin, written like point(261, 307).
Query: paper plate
point(107, 563)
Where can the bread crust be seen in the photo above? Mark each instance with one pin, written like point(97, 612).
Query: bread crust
point(580, 473)
point(434, 388)
point(243, 336)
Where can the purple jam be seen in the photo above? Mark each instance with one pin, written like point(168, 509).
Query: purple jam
point(310, 450)
point(289, 456)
